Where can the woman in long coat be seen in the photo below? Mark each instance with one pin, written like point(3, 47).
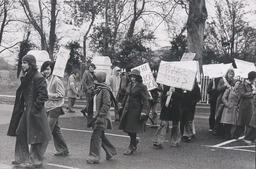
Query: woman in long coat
point(188, 108)
point(247, 91)
point(135, 109)
point(230, 99)
point(225, 82)
point(29, 122)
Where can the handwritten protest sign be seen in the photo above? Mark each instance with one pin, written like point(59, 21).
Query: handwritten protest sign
point(188, 56)
point(147, 76)
point(178, 74)
point(243, 68)
point(61, 61)
point(216, 70)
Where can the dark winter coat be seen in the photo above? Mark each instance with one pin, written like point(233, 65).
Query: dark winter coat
point(29, 112)
point(189, 100)
point(212, 91)
point(135, 102)
point(173, 111)
point(245, 104)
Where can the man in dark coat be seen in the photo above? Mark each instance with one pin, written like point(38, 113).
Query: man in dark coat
point(213, 95)
point(29, 122)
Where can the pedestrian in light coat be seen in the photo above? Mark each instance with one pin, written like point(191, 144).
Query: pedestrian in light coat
point(225, 82)
point(72, 90)
point(29, 122)
point(102, 120)
point(135, 110)
point(230, 99)
point(56, 94)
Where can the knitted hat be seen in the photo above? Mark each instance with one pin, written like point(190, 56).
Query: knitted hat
point(100, 77)
point(30, 59)
point(135, 72)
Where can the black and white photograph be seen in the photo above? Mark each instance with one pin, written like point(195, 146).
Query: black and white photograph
point(127, 84)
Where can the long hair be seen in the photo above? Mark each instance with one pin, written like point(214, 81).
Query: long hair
point(46, 64)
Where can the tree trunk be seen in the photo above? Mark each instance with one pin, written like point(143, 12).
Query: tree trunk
point(195, 28)
point(52, 36)
point(3, 23)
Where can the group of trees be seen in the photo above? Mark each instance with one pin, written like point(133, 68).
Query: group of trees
point(124, 29)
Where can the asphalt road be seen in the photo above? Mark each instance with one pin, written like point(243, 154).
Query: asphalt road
point(205, 152)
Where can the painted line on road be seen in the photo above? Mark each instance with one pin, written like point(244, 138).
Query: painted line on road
point(89, 131)
point(227, 142)
point(251, 146)
point(230, 148)
point(4, 166)
point(61, 166)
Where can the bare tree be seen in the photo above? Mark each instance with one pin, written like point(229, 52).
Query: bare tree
point(195, 28)
point(4, 8)
point(39, 26)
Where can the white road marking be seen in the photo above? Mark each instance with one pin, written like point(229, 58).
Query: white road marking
point(61, 166)
point(233, 148)
point(4, 166)
point(88, 131)
point(251, 146)
point(226, 142)
point(236, 148)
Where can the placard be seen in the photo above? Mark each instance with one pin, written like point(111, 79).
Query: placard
point(188, 56)
point(216, 70)
point(243, 68)
point(61, 62)
point(147, 76)
point(178, 74)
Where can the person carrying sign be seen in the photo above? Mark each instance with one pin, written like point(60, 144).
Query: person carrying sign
point(188, 105)
point(56, 94)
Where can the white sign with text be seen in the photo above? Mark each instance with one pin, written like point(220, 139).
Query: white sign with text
point(178, 74)
point(61, 62)
point(147, 76)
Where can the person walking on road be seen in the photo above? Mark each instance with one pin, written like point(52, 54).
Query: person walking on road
point(225, 82)
point(87, 86)
point(29, 122)
point(102, 120)
point(135, 110)
point(248, 91)
point(213, 95)
point(56, 94)
point(72, 90)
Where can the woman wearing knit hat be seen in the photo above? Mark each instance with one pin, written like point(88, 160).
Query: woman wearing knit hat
point(29, 122)
point(102, 120)
point(135, 110)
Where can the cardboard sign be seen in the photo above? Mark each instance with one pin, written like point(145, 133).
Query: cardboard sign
point(243, 68)
point(147, 76)
point(216, 70)
point(178, 74)
point(61, 61)
point(188, 56)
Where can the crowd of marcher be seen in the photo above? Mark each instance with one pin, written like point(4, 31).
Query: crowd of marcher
point(232, 106)
point(40, 100)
